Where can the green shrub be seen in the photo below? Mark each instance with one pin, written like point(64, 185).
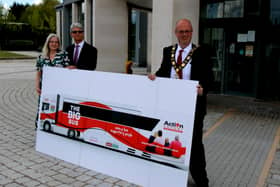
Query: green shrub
point(20, 45)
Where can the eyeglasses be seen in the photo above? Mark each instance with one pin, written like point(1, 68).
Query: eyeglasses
point(74, 32)
point(184, 31)
point(54, 42)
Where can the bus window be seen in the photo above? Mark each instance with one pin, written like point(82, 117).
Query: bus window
point(45, 106)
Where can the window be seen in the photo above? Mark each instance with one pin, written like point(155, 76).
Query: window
point(275, 12)
point(226, 9)
point(234, 9)
point(45, 106)
point(215, 10)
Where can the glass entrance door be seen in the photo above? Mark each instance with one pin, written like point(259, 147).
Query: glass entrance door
point(215, 37)
point(239, 63)
point(137, 37)
point(234, 62)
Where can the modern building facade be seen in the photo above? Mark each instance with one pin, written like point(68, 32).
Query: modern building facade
point(243, 33)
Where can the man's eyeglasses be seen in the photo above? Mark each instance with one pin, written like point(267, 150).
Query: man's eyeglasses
point(74, 32)
point(184, 31)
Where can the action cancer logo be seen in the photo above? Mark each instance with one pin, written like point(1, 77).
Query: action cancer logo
point(173, 126)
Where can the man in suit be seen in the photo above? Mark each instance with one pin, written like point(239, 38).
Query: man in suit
point(194, 64)
point(81, 54)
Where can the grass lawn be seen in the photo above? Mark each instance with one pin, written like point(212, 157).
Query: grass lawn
point(9, 55)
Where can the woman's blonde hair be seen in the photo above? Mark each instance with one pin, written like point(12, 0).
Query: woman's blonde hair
point(46, 49)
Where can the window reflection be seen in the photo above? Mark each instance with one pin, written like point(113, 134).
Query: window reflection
point(275, 12)
point(226, 9)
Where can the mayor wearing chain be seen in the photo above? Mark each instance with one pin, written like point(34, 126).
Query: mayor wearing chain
point(186, 61)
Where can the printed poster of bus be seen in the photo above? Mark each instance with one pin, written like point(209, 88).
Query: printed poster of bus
point(120, 128)
point(126, 126)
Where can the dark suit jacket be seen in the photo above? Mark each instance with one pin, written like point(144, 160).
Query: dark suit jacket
point(201, 70)
point(87, 59)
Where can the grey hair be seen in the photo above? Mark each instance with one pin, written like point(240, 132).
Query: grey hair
point(78, 25)
point(46, 49)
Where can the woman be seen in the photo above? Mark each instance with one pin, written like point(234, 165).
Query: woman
point(51, 56)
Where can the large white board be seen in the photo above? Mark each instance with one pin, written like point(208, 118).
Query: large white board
point(112, 117)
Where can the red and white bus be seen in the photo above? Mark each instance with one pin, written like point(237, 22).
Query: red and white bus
point(120, 128)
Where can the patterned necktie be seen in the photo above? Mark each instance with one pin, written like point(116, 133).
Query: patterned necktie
point(75, 59)
point(179, 62)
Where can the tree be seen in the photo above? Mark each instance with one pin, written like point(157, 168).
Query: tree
point(3, 13)
point(42, 16)
point(35, 21)
point(49, 13)
point(16, 11)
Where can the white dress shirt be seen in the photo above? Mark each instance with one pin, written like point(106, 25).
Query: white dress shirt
point(187, 69)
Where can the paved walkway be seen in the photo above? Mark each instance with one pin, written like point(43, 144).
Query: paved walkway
point(239, 147)
point(240, 140)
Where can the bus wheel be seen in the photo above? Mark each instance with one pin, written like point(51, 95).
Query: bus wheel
point(71, 133)
point(47, 126)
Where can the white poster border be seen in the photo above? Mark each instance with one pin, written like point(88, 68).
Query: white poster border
point(154, 99)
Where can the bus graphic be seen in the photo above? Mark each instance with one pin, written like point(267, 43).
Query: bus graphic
point(115, 127)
